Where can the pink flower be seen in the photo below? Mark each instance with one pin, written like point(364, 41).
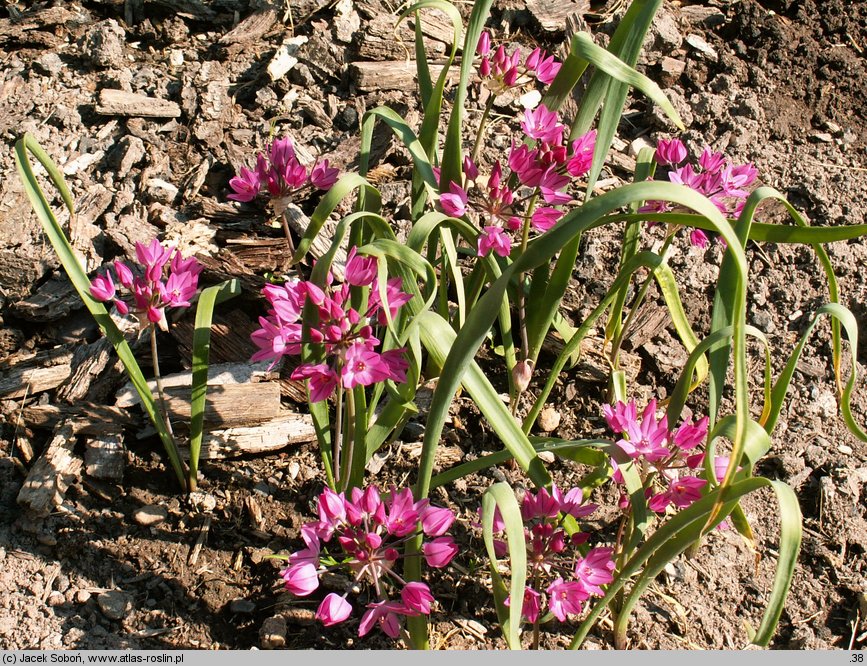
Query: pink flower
point(532, 604)
point(153, 257)
point(302, 579)
point(323, 380)
point(566, 598)
point(246, 186)
point(386, 614)
point(685, 491)
point(396, 364)
point(435, 521)
point(542, 125)
point(102, 287)
point(439, 552)
point(402, 515)
point(533, 59)
point(582, 154)
point(670, 152)
point(394, 297)
point(454, 203)
point(523, 161)
point(417, 597)
point(596, 569)
point(484, 46)
point(552, 185)
point(548, 69)
point(124, 274)
point(698, 238)
point(688, 436)
point(179, 289)
point(323, 176)
point(360, 270)
point(540, 505)
point(646, 438)
point(333, 610)
point(711, 161)
point(572, 504)
point(494, 238)
point(470, 169)
point(362, 367)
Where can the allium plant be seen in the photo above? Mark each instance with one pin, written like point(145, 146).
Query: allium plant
point(279, 175)
point(559, 578)
point(350, 354)
point(365, 536)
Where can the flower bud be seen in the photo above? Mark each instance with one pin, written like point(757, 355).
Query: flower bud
point(522, 373)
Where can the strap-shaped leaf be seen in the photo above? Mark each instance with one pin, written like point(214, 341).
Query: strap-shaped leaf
point(500, 496)
point(201, 353)
point(78, 277)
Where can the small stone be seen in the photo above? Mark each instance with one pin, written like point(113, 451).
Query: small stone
point(636, 146)
point(55, 599)
point(82, 597)
point(46, 539)
point(671, 68)
point(176, 57)
point(242, 606)
point(293, 469)
point(700, 45)
point(263, 489)
point(549, 419)
point(150, 515)
point(161, 190)
point(272, 634)
point(114, 604)
point(104, 44)
point(546, 457)
point(822, 137)
point(49, 64)
point(845, 450)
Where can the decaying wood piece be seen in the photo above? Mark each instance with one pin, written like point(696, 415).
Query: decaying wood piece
point(88, 363)
point(247, 32)
point(195, 9)
point(86, 418)
point(299, 222)
point(261, 254)
point(435, 25)
point(33, 27)
point(552, 14)
point(380, 41)
point(228, 405)
point(48, 480)
point(43, 372)
point(54, 299)
point(230, 337)
point(264, 438)
point(593, 365)
point(219, 374)
point(104, 457)
point(121, 103)
point(392, 75)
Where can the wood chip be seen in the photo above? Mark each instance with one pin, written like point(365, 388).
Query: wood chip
point(392, 75)
point(46, 484)
point(104, 457)
point(265, 438)
point(121, 103)
point(552, 14)
point(36, 376)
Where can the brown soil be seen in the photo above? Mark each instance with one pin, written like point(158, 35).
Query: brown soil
point(783, 85)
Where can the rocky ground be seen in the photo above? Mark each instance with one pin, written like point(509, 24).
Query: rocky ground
point(122, 562)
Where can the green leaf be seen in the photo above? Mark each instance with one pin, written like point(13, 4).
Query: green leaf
point(79, 280)
point(201, 352)
point(500, 496)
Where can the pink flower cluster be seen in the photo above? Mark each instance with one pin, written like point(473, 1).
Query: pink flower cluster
point(668, 459)
point(724, 183)
point(280, 173)
point(545, 170)
point(548, 559)
point(370, 529)
point(148, 294)
point(504, 70)
point(348, 337)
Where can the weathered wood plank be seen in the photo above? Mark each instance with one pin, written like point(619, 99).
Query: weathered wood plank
point(264, 438)
point(121, 103)
point(392, 75)
point(104, 457)
point(46, 484)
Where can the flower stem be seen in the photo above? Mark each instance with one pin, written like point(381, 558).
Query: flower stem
point(477, 145)
point(155, 361)
point(338, 438)
point(351, 433)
